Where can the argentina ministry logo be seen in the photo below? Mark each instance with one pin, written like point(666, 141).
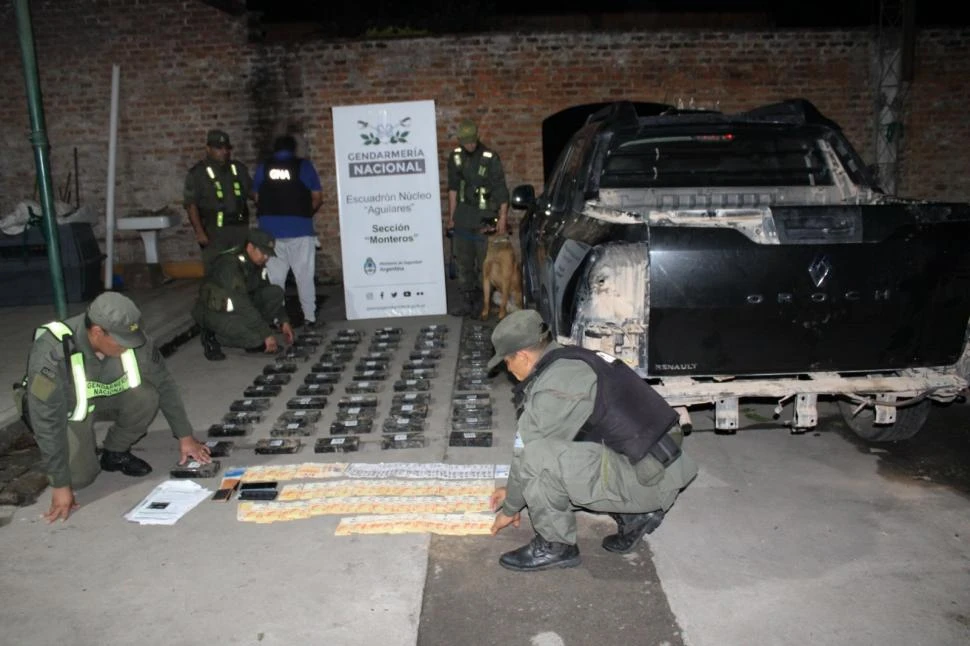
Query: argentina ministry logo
point(370, 267)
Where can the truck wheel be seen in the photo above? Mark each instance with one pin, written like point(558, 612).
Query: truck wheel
point(909, 421)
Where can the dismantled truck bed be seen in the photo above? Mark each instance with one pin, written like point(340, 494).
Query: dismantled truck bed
point(741, 256)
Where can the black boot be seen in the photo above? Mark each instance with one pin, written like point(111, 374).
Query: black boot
point(630, 529)
point(125, 462)
point(541, 554)
point(211, 347)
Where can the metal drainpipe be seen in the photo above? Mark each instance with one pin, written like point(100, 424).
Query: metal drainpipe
point(38, 137)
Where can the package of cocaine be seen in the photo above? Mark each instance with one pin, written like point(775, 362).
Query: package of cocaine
point(272, 380)
point(356, 412)
point(230, 429)
point(332, 356)
point(473, 372)
point(473, 383)
point(396, 331)
point(483, 423)
point(403, 424)
point(295, 353)
point(219, 448)
point(262, 391)
point(351, 426)
point(278, 445)
point(314, 390)
point(243, 417)
point(253, 404)
point(304, 403)
point(349, 333)
point(472, 401)
point(474, 355)
point(337, 444)
point(470, 438)
point(404, 441)
point(383, 346)
point(308, 340)
point(370, 375)
point(358, 401)
point(295, 428)
point(458, 414)
point(402, 385)
point(418, 364)
point(371, 364)
point(322, 378)
point(296, 415)
point(419, 373)
point(435, 328)
point(280, 368)
point(385, 357)
point(409, 410)
point(430, 344)
point(411, 398)
point(195, 469)
point(327, 367)
point(415, 355)
point(362, 387)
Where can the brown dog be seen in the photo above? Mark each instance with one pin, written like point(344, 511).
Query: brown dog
point(501, 271)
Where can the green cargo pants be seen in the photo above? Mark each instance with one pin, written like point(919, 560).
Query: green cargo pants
point(243, 327)
point(469, 247)
point(561, 476)
point(136, 410)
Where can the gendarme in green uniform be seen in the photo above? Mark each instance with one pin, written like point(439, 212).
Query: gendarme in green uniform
point(137, 384)
point(237, 303)
point(219, 189)
point(477, 181)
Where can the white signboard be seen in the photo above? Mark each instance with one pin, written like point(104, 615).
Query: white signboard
point(390, 209)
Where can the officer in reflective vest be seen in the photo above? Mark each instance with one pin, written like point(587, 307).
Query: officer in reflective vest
point(592, 435)
point(215, 197)
point(99, 360)
point(478, 202)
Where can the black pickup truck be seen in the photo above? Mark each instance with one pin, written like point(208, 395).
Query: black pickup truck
point(751, 256)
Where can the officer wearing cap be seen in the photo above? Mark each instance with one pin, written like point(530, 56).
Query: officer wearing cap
point(478, 202)
point(99, 360)
point(216, 190)
point(593, 435)
point(237, 304)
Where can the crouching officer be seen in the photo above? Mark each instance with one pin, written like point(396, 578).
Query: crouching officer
point(595, 437)
point(99, 360)
point(237, 304)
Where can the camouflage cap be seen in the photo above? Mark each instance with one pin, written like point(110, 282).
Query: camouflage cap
point(217, 139)
point(262, 240)
point(119, 317)
point(467, 132)
point(517, 331)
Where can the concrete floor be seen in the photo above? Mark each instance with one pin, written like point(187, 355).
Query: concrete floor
point(781, 540)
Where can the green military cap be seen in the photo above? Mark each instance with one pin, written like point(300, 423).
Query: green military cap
point(467, 132)
point(217, 139)
point(262, 240)
point(119, 317)
point(519, 330)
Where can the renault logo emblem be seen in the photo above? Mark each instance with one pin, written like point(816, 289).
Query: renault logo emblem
point(819, 270)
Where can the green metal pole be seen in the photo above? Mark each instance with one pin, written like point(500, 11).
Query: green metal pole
point(38, 137)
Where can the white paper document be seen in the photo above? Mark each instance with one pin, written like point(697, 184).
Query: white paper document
point(168, 502)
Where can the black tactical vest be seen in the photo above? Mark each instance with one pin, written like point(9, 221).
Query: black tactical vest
point(628, 416)
point(282, 192)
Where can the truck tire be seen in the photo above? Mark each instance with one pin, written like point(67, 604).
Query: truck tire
point(909, 421)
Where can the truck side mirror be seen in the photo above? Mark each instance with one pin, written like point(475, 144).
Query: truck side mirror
point(523, 197)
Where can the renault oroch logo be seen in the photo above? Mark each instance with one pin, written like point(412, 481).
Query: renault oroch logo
point(370, 266)
point(819, 270)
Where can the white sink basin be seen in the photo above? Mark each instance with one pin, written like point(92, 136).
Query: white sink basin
point(146, 222)
point(148, 227)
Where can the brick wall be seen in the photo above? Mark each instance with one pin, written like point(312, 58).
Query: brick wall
point(187, 67)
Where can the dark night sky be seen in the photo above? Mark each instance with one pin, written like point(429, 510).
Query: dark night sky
point(473, 15)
